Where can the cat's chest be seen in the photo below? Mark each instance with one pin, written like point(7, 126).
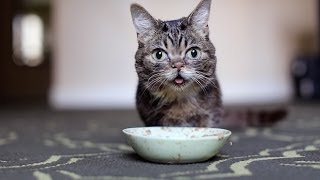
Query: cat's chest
point(185, 108)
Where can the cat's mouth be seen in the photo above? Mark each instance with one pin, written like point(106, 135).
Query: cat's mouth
point(179, 80)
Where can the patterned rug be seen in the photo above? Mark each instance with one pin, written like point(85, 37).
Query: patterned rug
point(42, 144)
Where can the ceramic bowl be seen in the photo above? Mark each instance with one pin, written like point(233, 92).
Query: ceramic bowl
point(176, 144)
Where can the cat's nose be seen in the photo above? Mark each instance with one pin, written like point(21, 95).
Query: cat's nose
point(178, 65)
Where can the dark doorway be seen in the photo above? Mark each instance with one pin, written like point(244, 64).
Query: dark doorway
point(21, 82)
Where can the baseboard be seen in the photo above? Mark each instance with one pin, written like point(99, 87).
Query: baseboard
point(94, 98)
point(124, 97)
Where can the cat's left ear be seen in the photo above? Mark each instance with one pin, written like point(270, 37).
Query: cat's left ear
point(199, 17)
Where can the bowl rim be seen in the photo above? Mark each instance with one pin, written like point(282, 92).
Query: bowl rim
point(226, 134)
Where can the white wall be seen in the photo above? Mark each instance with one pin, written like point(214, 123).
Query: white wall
point(95, 44)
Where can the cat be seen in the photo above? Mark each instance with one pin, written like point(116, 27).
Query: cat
point(176, 68)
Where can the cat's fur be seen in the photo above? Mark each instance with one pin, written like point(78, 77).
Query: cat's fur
point(178, 89)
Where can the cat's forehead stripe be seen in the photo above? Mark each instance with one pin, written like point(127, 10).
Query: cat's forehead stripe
point(174, 35)
point(180, 40)
point(165, 43)
point(171, 39)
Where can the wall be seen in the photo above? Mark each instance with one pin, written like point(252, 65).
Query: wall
point(94, 45)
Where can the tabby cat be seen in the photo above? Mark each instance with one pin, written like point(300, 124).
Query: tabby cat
point(176, 66)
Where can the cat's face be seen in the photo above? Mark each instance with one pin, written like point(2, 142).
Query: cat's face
point(174, 56)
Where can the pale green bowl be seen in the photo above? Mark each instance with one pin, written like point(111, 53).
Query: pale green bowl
point(176, 144)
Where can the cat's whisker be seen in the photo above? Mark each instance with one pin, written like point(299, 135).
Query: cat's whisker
point(154, 75)
point(203, 80)
point(154, 82)
point(149, 84)
point(163, 82)
point(200, 84)
point(210, 80)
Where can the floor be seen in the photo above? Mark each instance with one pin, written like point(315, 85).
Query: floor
point(39, 143)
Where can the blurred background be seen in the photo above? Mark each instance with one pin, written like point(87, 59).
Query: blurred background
point(79, 54)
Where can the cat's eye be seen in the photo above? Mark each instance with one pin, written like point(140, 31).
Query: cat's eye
point(159, 55)
point(194, 53)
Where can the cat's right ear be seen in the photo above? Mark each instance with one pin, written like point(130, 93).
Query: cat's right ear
point(144, 23)
point(199, 18)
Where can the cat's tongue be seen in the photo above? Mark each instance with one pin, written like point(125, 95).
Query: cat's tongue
point(178, 80)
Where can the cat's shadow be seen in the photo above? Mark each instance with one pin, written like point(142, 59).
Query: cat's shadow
point(135, 157)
